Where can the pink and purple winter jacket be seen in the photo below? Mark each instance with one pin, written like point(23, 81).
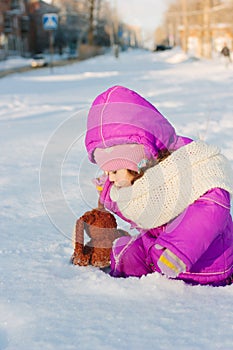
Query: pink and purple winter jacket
point(202, 236)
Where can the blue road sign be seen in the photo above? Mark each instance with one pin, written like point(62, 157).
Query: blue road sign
point(50, 21)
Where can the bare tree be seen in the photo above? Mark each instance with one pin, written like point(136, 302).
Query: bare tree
point(91, 4)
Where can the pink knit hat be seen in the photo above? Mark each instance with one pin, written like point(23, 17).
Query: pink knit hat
point(127, 156)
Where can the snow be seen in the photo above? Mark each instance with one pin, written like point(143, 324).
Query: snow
point(14, 62)
point(45, 184)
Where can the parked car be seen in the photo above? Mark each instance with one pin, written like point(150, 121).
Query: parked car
point(162, 48)
point(39, 60)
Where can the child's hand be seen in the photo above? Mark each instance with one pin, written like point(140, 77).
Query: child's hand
point(170, 264)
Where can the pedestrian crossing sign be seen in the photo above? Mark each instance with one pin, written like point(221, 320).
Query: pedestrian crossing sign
point(50, 21)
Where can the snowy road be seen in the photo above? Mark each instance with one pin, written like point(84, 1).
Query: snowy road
point(46, 303)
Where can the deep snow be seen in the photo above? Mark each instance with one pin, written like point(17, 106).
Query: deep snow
point(45, 302)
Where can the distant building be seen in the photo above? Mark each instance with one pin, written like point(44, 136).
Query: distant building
point(21, 27)
point(38, 37)
point(4, 7)
point(200, 27)
point(220, 33)
point(14, 28)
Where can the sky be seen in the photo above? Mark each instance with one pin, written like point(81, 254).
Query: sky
point(148, 14)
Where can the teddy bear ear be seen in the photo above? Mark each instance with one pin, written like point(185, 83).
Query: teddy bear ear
point(88, 217)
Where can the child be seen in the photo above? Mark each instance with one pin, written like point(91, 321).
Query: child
point(174, 190)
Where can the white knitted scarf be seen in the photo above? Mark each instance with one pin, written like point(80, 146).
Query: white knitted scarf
point(168, 188)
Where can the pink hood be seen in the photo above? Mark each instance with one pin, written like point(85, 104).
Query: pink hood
point(119, 116)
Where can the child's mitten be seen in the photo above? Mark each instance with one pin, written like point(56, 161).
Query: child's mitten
point(170, 264)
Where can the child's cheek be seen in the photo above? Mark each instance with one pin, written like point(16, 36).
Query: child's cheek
point(123, 183)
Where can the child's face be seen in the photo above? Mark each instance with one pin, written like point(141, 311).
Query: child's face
point(120, 178)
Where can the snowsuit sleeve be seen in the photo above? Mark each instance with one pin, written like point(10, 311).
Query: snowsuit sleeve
point(193, 231)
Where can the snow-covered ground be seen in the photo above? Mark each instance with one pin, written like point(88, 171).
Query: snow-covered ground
point(14, 62)
point(45, 183)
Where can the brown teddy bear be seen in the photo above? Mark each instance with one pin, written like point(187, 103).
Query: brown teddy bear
point(101, 226)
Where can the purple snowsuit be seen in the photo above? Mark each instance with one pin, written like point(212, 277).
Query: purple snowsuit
point(202, 236)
